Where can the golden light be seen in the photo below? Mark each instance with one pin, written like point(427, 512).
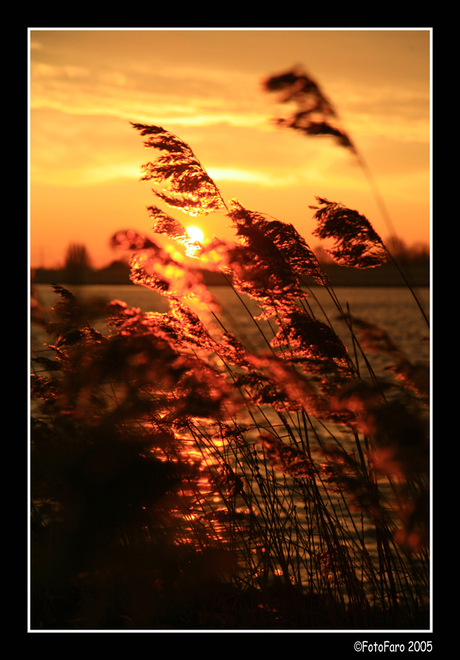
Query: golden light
point(195, 234)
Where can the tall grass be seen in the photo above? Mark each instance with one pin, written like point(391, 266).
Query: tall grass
point(185, 478)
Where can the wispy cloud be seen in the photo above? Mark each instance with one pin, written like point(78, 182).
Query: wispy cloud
point(87, 176)
point(185, 96)
point(398, 112)
point(252, 177)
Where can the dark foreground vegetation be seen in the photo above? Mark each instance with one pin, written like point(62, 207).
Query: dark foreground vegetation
point(181, 479)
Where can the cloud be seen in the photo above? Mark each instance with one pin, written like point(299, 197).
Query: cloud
point(41, 71)
point(252, 177)
point(107, 173)
point(140, 106)
point(398, 112)
point(138, 89)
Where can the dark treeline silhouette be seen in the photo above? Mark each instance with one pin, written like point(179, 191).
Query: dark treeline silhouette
point(77, 258)
point(117, 272)
point(415, 258)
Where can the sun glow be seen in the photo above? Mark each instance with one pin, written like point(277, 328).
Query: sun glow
point(195, 234)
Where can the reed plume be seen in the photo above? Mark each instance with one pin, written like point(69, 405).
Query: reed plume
point(278, 238)
point(315, 114)
point(357, 243)
point(190, 188)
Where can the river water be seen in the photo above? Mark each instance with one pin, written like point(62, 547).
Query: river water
point(391, 308)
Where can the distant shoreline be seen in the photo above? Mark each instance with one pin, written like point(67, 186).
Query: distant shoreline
point(384, 276)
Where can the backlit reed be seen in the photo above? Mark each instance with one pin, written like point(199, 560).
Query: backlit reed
point(183, 478)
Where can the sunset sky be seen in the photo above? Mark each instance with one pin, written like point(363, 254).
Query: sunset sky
point(86, 86)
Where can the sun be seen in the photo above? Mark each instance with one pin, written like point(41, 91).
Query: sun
point(195, 234)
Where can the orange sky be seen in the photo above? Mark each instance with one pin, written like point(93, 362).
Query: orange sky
point(86, 86)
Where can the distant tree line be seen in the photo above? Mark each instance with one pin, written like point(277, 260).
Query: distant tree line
point(77, 258)
point(78, 269)
point(417, 254)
